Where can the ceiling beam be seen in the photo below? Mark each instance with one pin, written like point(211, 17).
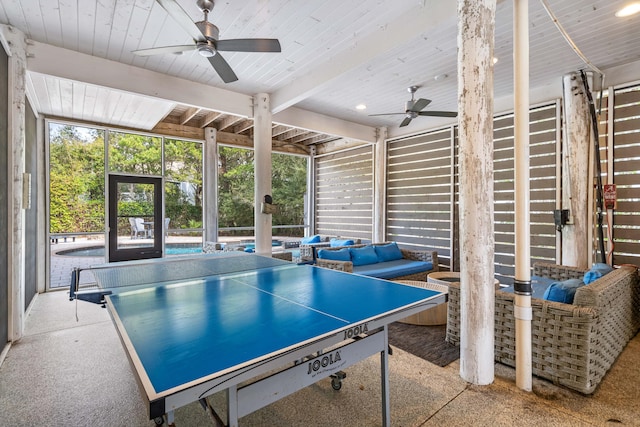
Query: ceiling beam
point(303, 119)
point(75, 66)
point(189, 114)
point(67, 64)
point(431, 15)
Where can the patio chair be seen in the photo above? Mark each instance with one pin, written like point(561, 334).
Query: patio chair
point(166, 226)
point(137, 228)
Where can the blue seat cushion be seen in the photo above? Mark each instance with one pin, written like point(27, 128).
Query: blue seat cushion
point(334, 243)
point(563, 291)
point(389, 252)
point(335, 255)
point(391, 269)
point(597, 271)
point(310, 239)
point(363, 256)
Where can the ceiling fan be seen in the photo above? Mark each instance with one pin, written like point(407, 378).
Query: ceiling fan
point(205, 36)
point(414, 109)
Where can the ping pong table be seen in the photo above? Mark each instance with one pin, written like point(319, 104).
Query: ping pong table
point(256, 327)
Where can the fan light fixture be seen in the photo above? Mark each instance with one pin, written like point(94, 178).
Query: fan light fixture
point(628, 10)
point(205, 49)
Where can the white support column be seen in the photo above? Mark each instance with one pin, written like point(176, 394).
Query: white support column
point(476, 28)
point(211, 184)
point(577, 143)
point(379, 189)
point(14, 42)
point(262, 162)
point(522, 284)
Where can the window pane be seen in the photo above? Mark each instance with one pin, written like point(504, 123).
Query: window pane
point(135, 154)
point(183, 183)
point(76, 179)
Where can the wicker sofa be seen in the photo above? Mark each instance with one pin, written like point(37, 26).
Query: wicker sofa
point(308, 251)
point(573, 345)
point(399, 273)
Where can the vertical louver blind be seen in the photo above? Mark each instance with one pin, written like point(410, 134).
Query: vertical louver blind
point(422, 191)
point(626, 175)
point(344, 194)
point(419, 192)
point(542, 189)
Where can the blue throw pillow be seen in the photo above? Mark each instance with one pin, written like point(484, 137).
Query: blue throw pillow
point(363, 256)
point(335, 255)
point(390, 252)
point(563, 291)
point(310, 239)
point(597, 271)
point(334, 243)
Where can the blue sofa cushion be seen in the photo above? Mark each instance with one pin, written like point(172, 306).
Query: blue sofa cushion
point(310, 239)
point(335, 255)
point(363, 256)
point(563, 291)
point(597, 271)
point(389, 252)
point(391, 269)
point(334, 243)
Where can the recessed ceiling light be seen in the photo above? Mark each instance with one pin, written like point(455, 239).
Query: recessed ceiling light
point(628, 10)
point(361, 107)
point(495, 59)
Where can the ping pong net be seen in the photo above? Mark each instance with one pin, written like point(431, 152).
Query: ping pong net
point(113, 276)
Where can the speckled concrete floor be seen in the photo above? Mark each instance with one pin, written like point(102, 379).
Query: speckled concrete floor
point(68, 372)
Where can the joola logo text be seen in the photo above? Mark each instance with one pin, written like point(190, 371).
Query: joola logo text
point(355, 331)
point(324, 361)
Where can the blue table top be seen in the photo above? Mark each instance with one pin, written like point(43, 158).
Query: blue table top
point(192, 329)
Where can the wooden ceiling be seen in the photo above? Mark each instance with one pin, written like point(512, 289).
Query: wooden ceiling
point(335, 54)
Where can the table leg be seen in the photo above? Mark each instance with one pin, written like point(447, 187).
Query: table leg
point(384, 374)
point(232, 406)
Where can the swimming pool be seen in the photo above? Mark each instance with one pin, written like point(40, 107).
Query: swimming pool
point(98, 251)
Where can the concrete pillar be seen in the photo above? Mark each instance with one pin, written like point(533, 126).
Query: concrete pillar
point(476, 28)
point(576, 145)
point(211, 184)
point(262, 162)
point(14, 42)
point(379, 170)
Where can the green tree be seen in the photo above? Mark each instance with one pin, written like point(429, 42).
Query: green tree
point(183, 183)
point(236, 189)
point(76, 176)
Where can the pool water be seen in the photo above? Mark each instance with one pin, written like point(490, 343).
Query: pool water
point(98, 251)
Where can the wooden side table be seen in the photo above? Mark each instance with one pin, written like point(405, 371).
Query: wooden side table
point(446, 277)
point(432, 316)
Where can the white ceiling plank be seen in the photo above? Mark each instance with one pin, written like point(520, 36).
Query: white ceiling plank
point(122, 19)
point(401, 30)
point(69, 20)
point(90, 100)
point(50, 12)
point(103, 23)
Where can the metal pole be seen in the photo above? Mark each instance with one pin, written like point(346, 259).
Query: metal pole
point(522, 284)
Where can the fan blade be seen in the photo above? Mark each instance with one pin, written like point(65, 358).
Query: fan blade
point(222, 68)
point(438, 113)
point(420, 104)
point(182, 18)
point(386, 114)
point(249, 45)
point(163, 50)
point(405, 122)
